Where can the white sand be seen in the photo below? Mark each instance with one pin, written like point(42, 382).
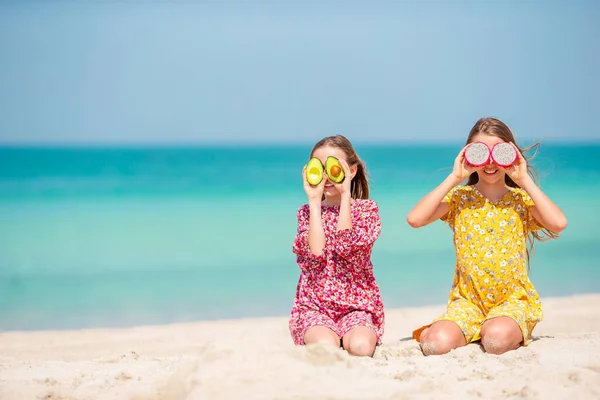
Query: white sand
point(255, 359)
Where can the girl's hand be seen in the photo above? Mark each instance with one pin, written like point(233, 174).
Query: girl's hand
point(345, 186)
point(462, 170)
point(313, 192)
point(518, 171)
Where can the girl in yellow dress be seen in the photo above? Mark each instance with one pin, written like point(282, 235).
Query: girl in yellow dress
point(492, 217)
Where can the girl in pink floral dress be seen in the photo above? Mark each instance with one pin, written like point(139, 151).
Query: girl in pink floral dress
point(337, 298)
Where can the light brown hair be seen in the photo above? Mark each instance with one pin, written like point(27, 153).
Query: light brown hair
point(359, 188)
point(494, 127)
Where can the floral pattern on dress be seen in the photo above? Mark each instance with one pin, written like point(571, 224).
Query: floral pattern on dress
point(491, 278)
point(338, 289)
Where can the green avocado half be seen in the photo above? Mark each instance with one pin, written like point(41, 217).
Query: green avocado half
point(334, 169)
point(314, 171)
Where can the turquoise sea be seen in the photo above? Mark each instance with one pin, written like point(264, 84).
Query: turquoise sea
point(97, 237)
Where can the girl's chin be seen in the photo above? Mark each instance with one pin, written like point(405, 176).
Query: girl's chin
point(491, 178)
point(331, 193)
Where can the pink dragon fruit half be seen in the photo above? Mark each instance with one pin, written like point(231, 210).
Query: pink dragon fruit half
point(477, 154)
point(504, 154)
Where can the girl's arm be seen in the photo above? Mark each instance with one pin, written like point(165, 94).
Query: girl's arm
point(345, 189)
point(310, 239)
point(345, 217)
point(356, 241)
point(305, 242)
point(431, 207)
point(544, 210)
point(316, 233)
point(355, 234)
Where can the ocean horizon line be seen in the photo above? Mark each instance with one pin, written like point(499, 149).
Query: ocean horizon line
point(179, 145)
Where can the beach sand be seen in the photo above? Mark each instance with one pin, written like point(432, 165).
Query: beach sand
point(255, 359)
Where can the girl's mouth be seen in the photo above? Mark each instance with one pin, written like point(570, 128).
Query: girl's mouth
point(490, 171)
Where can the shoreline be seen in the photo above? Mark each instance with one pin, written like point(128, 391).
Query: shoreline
point(427, 307)
point(254, 358)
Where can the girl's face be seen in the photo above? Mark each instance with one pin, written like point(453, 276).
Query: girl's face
point(491, 173)
point(322, 153)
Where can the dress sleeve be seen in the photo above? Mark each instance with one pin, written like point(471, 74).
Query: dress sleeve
point(530, 224)
point(353, 244)
point(452, 198)
point(300, 246)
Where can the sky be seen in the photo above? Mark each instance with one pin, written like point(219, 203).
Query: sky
point(234, 72)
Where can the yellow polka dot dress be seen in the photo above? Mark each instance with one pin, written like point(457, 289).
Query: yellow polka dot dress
point(491, 277)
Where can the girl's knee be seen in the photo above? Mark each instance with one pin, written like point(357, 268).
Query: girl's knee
point(438, 340)
point(361, 347)
point(321, 334)
point(501, 337)
point(360, 341)
point(500, 334)
point(493, 345)
point(438, 343)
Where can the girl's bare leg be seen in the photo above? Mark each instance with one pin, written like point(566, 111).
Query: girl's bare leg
point(500, 334)
point(321, 334)
point(360, 341)
point(441, 337)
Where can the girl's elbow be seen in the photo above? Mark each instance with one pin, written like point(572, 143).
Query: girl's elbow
point(561, 224)
point(556, 226)
point(413, 221)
